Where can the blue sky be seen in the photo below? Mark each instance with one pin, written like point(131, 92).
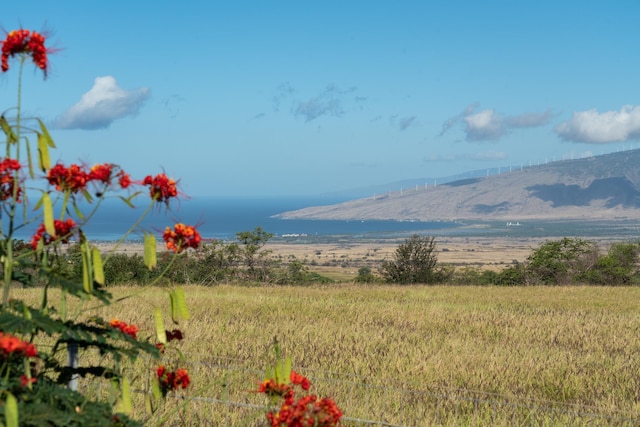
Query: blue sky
point(302, 98)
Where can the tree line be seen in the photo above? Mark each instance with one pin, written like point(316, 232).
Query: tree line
point(565, 261)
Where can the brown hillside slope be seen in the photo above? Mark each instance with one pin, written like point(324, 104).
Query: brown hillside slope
point(596, 188)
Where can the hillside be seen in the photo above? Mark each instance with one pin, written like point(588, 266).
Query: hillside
point(596, 188)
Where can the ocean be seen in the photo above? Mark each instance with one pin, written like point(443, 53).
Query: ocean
point(222, 218)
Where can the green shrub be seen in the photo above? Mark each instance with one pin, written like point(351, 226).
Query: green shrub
point(560, 262)
point(415, 261)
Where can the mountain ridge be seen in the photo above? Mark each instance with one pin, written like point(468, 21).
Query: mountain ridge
point(595, 188)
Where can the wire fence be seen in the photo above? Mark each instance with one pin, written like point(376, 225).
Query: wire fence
point(229, 399)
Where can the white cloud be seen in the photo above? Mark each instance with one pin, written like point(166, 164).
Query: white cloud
point(102, 105)
point(602, 128)
point(489, 125)
point(483, 125)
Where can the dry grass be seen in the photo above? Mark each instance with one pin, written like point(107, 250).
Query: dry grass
point(574, 345)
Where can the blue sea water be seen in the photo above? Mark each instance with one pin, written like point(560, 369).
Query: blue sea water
point(222, 218)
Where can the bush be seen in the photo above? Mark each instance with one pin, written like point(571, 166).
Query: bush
point(618, 267)
point(365, 275)
point(561, 262)
point(125, 269)
point(415, 261)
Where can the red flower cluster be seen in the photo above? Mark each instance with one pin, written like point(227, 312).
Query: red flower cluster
point(181, 238)
point(170, 380)
point(161, 187)
point(271, 388)
point(7, 169)
point(75, 177)
point(307, 411)
point(131, 330)
point(63, 232)
point(300, 380)
point(27, 42)
point(11, 345)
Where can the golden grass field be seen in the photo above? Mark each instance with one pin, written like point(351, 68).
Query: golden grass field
point(390, 353)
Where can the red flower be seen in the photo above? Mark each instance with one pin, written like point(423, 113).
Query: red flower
point(181, 379)
point(12, 345)
point(63, 232)
point(24, 381)
point(271, 388)
point(130, 330)
point(8, 167)
point(25, 42)
point(300, 380)
point(101, 173)
point(124, 180)
point(307, 411)
point(170, 380)
point(181, 238)
point(161, 188)
point(72, 179)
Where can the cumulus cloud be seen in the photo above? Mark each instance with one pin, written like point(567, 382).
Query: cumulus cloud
point(330, 102)
point(102, 105)
point(601, 128)
point(486, 125)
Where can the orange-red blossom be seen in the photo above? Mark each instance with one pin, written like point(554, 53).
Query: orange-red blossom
point(181, 237)
point(161, 187)
point(131, 330)
point(11, 345)
point(26, 42)
point(170, 380)
point(307, 411)
point(75, 178)
point(8, 167)
point(63, 232)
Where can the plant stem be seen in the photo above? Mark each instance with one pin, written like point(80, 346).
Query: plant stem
point(8, 256)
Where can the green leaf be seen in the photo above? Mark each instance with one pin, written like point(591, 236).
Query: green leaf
point(174, 307)
point(44, 160)
point(63, 305)
point(128, 200)
point(150, 249)
point(126, 406)
point(179, 309)
point(161, 333)
point(147, 404)
point(12, 138)
point(11, 411)
point(87, 276)
point(286, 374)
point(29, 158)
point(47, 210)
point(45, 132)
point(283, 371)
point(98, 271)
point(155, 389)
